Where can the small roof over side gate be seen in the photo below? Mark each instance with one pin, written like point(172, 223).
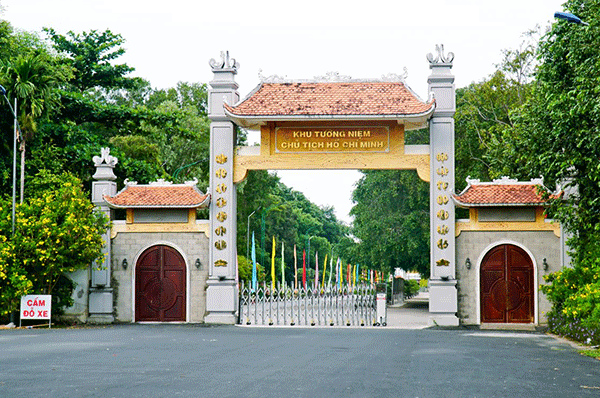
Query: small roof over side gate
point(157, 195)
point(503, 192)
point(345, 100)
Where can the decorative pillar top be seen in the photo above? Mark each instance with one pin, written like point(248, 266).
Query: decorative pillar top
point(441, 82)
point(441, 59)
point(225, 65)
point(104, 166)
point(223, 87)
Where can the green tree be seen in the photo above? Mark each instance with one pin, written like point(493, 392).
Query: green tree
point(391, 220)
point(57, 231)
point(91, 55)
point(556, 134)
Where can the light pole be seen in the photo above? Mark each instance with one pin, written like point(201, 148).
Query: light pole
point(308, 254)
point(308, 243)
point(262, 230)
point(248, 233)
point(567, 16)
point(16, 127)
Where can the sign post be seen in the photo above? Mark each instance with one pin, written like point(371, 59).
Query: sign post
point(36, 307)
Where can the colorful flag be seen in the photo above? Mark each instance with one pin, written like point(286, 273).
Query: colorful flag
point(324, 271)
point(273, 265)
point(354, 276)
point(254, 279)
point(349, 274)
point(295, 269)
point(330, 271)
point(282, 267)
point(341, 274)
point(304, 269)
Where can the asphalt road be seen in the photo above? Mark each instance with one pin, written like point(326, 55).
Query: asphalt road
point(232, 361)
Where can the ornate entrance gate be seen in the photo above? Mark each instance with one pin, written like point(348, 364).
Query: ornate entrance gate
point(160, 286)
point(507, 286)
point(332, 122)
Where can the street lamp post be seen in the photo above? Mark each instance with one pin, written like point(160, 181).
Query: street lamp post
point(16, 128)
point(248, 233)
point(263, 217)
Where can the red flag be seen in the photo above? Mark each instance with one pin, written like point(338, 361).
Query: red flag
point(348, 275)
point(304, 268)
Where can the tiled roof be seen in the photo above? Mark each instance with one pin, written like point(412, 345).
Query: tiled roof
point(502, 192)
point(158, 196)
point(331, 99)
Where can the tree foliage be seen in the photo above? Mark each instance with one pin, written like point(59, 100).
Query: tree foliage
point(56, 231)
point(557, 135)
point(391, 220)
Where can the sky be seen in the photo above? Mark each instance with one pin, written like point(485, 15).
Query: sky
point(172, 41)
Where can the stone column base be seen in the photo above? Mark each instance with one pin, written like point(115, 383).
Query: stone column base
point(101, 306)
point(101, 318)
point(221, 301)
point(443, 303)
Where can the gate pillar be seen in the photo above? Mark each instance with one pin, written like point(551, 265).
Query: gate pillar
point(222, 289)
point(101, 292)
point(442, 282)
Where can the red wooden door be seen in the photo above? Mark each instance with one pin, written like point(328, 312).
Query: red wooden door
point(507, 286)
point(160, 286)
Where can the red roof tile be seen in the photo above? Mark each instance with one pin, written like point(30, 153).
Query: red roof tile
point(158, 196)
point(503, 192)
point(328, 98)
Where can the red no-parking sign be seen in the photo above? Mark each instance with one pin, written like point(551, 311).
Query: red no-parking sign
point(36, 307)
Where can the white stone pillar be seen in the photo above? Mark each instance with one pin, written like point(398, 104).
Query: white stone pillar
point(222, 290)
point(442, 282)
point(101, 292)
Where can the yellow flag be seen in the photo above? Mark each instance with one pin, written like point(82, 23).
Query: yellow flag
point(324, 269)
point(273, 266)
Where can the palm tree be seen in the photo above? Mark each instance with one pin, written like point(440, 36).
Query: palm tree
point(31, 79)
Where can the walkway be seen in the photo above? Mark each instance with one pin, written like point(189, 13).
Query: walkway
point(412, 314)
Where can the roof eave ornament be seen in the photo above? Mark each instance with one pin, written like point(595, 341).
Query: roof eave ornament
point(440, 58)
point(225, 63)
point(271, 78)
point(396, 78)
point(333, 77)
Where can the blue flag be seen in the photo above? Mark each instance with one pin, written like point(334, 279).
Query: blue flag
point(254, 279)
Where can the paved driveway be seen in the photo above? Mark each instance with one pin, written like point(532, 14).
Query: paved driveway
point(232, 361)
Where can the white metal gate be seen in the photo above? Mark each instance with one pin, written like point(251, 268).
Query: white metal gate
point(346, 306)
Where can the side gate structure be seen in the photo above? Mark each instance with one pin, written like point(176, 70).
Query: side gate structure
point(286, 306)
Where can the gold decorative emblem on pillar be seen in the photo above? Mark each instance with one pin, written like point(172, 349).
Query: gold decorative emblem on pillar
point(443, 229)
point(443, 214)
point(441, 157)
point(221, 216)
point(221, 173)
point(442, 244)
point(220, 244)
point(221, 202)
point(442, 263)
point(220, 263)
point(221, 159)
point(221, 188)
point(220, 231)
point(442, 200)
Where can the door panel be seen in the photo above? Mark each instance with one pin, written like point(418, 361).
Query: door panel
point(160, 286)
point(507, 286)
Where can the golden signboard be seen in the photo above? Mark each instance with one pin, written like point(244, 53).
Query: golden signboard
point(338, 139)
